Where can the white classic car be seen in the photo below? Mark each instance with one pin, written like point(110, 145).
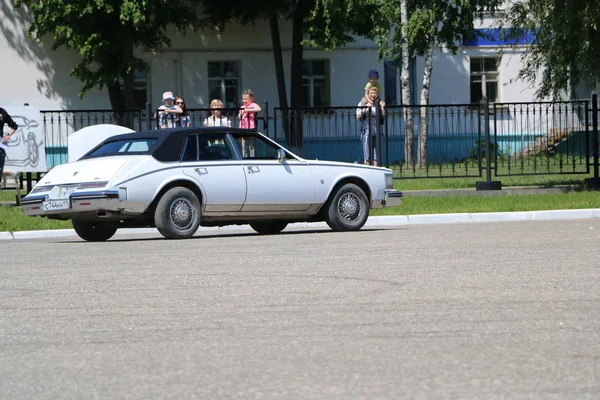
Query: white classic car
point(178, 179)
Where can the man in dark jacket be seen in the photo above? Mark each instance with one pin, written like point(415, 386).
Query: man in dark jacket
point(5, 118)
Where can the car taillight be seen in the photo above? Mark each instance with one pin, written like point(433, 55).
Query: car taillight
point(91, 185)
point(39, 189)
point(389, 181)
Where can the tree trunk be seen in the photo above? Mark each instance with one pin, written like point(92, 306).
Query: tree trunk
point(405, 79)
point(424, 123)
point(279, 72)
point(115, 95)
point(128, 79)
point(295, 122)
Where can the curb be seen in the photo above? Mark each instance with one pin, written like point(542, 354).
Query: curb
point(375, 221)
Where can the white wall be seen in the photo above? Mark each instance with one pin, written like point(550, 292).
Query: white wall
point(33, 73)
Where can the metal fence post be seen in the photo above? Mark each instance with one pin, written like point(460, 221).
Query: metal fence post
point(377, 131)
point(148, 116)
point(488, 184)
point(594, 182)
point(266, 120)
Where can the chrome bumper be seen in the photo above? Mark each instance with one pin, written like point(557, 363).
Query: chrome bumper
point(393, 198)
point(389, 198)
point(105, 200)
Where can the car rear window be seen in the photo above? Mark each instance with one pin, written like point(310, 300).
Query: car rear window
point(122, 147)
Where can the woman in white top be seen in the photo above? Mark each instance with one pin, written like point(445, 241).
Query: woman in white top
point(216, 118)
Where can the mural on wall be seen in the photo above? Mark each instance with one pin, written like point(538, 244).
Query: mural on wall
point(25, 150)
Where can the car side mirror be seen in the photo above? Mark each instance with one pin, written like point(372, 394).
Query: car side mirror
point(281, 155)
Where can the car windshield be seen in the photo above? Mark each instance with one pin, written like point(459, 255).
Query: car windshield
point(125, 146)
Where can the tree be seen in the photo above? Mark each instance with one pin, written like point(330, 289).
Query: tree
point(565, 43)
point(425, 25)
point(106, 34)
point(307, 28)
point(404, 29)
point(238, 11)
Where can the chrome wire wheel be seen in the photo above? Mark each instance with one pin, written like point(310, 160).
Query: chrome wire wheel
point(182, 213)
point(349, 206)
point(178, 213)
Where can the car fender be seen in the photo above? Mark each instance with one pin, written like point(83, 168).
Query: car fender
point(349, 177)
point(179, 177)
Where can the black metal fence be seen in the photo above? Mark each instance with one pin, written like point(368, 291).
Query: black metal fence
point(57, 125)
point(447, 140)
point(227, 117)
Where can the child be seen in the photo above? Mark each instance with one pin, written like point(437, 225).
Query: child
point(216, 118)
point(373, 81)
point(247, 116)
point(166, 112)
point(248, 110)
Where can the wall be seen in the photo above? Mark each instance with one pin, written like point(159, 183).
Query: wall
point(33, 73)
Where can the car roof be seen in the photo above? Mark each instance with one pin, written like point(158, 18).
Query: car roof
point(164, 134)
point(167, 143)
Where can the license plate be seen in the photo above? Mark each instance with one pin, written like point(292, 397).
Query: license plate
point(51, 205)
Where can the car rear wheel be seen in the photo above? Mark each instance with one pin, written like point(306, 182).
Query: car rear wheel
point(177, 214)
point(94, 231)
point(269, 227)
point(347, 209)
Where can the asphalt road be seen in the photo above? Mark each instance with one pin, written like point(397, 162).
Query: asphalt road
point(488, 311)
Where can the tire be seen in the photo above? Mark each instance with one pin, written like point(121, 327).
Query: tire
point(94, 231)
point(178, 214)
point(347, 209)
point(32, 150)
point(269, 227)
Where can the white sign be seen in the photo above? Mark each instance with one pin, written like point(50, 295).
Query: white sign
point(25, 151)
point(85, 139)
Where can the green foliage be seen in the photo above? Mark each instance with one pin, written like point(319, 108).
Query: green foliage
point(105, 33)
point(479, 149)
point(566, 37)
point(431, 22)
point(333, 23)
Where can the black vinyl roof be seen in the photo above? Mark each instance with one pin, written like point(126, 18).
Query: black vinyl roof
point(163, 134)
point(169, 142)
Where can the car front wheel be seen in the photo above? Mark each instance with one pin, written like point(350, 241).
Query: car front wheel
point(94, 231)
point(177, 214)
point(268, 227)
point(347, 209)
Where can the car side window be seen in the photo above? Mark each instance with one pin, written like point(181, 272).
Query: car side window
point(254, 147)
point(190, 152)
point(212, 147)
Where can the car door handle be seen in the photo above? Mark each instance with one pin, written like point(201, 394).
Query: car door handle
point(253, 170)
point(201, 171)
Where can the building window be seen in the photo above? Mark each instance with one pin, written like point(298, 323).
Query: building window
point(315, 83)
point(141, 88)
point(481, 66)
point(224, 82)
point(392, 83)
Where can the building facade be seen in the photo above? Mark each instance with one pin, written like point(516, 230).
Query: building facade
point(208, 64)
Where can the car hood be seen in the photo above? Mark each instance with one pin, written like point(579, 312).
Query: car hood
point(345, 165)
point(89, 170)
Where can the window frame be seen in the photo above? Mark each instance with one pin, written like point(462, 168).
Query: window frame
point(141, 82)
point(492, 77)
point(235, 103)
point(392, 82)
point(311, 77)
